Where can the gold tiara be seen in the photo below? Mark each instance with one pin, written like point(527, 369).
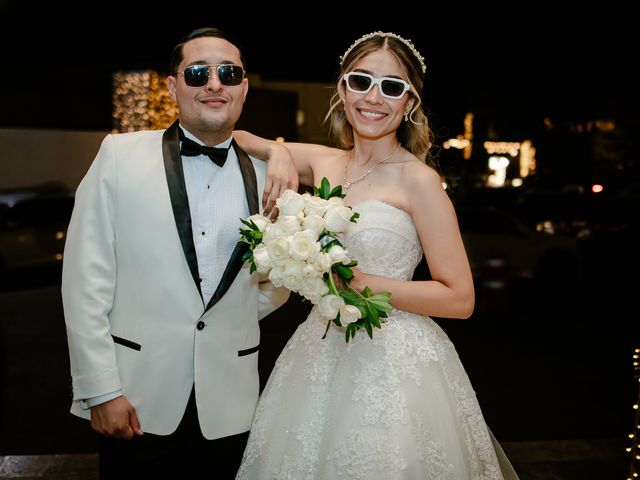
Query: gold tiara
point(408, 43)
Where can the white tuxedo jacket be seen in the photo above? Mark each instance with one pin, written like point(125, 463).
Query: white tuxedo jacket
point(133, 308)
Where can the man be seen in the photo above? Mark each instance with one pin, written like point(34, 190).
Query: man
point(162, 314)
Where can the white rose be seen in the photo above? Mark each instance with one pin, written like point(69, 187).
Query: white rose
point(309, 270)
point(275, 277)
point(336, 202)
point(304, 245)
point(272, 232)
point(261, 259)
point(338, 219)
point(292, 275)
point(338, 255)
point(329, 306)
point(322, 262)
point(278, 251)
point(316, 206)
point(289, 224)
point(313, 289)
point(349, 314)
point(290, 203)
point(260, 221)
point(300, 216)
point(314, 222)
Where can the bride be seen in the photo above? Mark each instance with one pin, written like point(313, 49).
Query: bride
point(400, 405)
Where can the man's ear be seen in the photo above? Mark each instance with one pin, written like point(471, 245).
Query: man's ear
point(171, 86)
point(245, 86)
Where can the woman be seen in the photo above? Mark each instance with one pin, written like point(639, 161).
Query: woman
point(399, 405)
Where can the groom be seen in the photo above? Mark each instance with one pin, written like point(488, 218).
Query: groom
point(161, 313)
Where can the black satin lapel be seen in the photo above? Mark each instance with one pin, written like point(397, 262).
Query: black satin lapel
point(251, 191)
point(179, 198)
point(249, 177)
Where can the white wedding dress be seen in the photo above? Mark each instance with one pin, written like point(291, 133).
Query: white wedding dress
point(399, 406)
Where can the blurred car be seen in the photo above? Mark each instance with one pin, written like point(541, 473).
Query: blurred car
point(33, 227)
point(502, 248)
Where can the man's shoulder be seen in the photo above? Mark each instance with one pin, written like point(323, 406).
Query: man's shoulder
point(140, 136)
point(133, 141)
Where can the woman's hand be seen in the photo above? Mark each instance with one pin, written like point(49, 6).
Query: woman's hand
point(281, 175)
point(359, 280)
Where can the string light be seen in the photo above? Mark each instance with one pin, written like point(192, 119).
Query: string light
point(634, 450)
point(141, 102)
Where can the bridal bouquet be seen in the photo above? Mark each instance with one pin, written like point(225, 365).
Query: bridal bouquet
point(301, 251)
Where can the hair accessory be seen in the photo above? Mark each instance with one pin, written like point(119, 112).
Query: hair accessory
point(408, 43)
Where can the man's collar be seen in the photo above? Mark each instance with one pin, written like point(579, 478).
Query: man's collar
point(190, 136)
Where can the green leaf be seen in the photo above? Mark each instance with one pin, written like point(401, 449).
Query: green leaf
point(375, 322)
point(384, 296)
point(328, 246)
point(350, 297)
point(249, 223)
point(344, 272)
point(367, 326)
point(252, 268)
point(354, 217)
point(325, 189)
point(336, 192)
point(347, 333)
point(247, 256)
point(366, 292)
point(381, 306)
point(372, 314)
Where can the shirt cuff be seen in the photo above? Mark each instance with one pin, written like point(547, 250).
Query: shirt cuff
point(95, 401)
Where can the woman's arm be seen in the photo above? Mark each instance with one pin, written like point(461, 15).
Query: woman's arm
point(306, 156)
point(450, 293)
point(269, 150)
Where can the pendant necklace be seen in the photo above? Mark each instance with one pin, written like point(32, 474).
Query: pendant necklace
point(347, 183)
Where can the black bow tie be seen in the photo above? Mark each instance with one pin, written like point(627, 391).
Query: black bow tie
point(190, 148)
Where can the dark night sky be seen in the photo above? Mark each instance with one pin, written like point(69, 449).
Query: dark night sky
point(513, 69)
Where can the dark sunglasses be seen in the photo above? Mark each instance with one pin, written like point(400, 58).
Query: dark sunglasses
point(390, 87)
point(198, 75)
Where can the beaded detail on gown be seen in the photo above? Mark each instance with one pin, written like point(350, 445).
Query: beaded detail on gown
point(399, 406)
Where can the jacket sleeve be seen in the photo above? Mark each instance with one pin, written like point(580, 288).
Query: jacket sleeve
point(271, 297)
point(89, 278)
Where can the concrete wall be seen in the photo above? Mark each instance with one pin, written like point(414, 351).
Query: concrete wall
point(29, 157)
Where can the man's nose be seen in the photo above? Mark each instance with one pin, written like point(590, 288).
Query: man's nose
point(213, 83)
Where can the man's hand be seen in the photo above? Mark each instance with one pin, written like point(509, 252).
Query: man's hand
point(281, 175)
point(116, 418)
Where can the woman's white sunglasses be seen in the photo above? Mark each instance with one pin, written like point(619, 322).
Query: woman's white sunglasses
point(389, 87)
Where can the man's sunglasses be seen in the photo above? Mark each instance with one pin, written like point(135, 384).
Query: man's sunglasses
point(198, 75)
point(390, 87)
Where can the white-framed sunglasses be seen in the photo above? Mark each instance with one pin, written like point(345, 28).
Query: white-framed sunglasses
point(390, 87)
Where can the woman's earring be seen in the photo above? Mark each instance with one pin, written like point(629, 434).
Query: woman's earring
point(406, 116)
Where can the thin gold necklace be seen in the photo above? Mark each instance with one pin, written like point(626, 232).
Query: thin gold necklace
point(347, 183)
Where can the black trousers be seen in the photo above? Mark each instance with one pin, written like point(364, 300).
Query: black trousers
point(184, 454)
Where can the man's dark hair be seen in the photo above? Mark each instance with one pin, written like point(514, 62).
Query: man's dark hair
point(177, 56)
